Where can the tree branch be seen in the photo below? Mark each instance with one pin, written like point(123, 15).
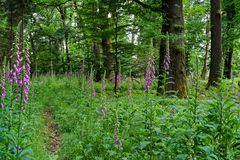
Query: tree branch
point(154, 9)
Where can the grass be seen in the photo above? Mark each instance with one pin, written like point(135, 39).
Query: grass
point(149, 127)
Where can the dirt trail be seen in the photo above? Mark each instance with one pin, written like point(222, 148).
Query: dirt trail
point(53, 132)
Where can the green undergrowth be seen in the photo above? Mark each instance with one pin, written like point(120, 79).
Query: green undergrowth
point(203, 126)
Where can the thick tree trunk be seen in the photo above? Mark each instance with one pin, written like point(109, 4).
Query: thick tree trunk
point(174, 24)
point(230, 9)
point(216, 44)
point(107, 56)
point(97, 67)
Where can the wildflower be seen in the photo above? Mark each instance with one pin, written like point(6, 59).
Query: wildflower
point(3, 95)
point(117, 142)
point(26, 80)
point(9, 76)
point(17, 73)
point(150, 75)
point(103, 108)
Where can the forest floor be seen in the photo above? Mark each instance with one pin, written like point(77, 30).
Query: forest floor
point(52, 132)
point(76, 125)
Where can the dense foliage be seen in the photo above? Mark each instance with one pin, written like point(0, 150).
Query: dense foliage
point(132, 125)
point(122, 79)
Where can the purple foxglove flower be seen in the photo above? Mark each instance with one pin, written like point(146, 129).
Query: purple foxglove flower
point(103, 108)
point(3, 94)
point(26, 80)
point(150, 75)
point(117, 142)
point(3, 89)
point(9, 76)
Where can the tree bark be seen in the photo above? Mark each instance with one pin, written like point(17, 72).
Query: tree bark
point(174, 25)
point(163, 49)
point(106, 38)
point(97, 67)
point(63, 17)
point(11, 38)
point(229, 46)
point(216, 44)
point(204, 70)
point(107, 56)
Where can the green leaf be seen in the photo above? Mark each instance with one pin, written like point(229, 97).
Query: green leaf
point(144, 144)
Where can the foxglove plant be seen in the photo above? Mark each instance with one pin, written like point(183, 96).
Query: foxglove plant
point(3, 95)
point(91, 87)
point(149, 77)
point(117, 141)
point(16, 82)
point(26, 80)
point(103, 108)
point(17, 76)
point(91, 84)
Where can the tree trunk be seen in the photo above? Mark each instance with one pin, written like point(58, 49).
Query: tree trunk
point(204, 70)
point(163, 49)
point(173, 24)
point(216, 44)
point(106, 38)
point(97, 67)
point(63, 17)
point(21, 31)
point(230, 9)
point(107, 56)
point(11, 38)
point(117, 73)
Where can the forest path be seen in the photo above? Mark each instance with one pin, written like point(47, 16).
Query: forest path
point(53, 132)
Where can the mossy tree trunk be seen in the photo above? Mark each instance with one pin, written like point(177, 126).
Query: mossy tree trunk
point(174, 25)
point(216, 44)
